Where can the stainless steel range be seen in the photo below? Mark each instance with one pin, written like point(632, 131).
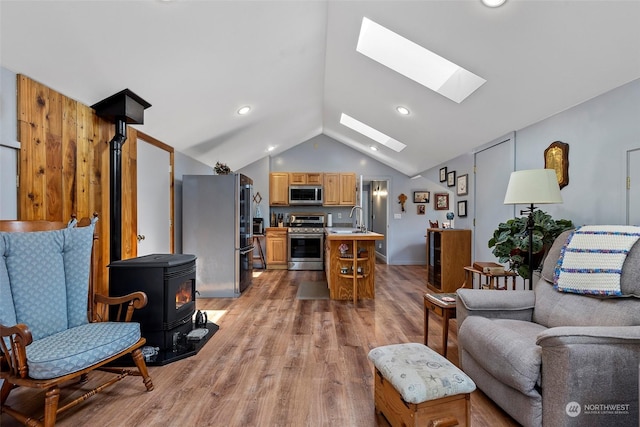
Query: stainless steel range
point(306, 241)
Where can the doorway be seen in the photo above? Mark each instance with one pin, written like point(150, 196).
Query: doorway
point(376, 204)
point(154, 199)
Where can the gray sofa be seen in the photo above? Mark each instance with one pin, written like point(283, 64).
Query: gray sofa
point(553, 358)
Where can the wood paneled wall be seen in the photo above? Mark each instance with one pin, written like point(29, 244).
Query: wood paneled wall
point(64, 166)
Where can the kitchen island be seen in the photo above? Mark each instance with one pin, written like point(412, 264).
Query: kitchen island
point(350, 273)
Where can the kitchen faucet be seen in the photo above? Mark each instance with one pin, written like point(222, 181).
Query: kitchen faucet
point(359, 224)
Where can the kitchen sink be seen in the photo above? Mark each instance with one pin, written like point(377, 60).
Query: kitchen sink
point(347, 231)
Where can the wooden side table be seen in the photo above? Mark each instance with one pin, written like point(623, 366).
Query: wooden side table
point(491, 281)
point(433, 303)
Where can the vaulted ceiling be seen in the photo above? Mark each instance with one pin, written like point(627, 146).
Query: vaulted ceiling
point(295, 63)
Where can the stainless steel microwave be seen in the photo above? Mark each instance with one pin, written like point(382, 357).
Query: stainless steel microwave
point(305, 195)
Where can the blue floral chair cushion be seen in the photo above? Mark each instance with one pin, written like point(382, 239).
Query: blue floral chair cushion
point(77, 348)
point(419, 373)
point(48, 275)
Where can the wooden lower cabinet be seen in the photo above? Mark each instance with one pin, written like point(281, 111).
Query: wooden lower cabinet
point(448, 253)
point(276, 246)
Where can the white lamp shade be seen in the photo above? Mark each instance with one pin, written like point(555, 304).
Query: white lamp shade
point(533, 186)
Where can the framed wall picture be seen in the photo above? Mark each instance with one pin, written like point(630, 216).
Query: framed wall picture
point(462, 208)
point(442, 201)
point(422, 209)
point(462, 186)
point(451, 178)
point(421, 196)
point(443, 174)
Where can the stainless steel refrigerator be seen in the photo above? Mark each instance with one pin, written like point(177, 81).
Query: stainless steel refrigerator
point(217, 227)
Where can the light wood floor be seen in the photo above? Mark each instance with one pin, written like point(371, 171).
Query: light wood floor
point(277, 361)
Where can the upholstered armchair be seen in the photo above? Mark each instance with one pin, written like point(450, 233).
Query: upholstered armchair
point(46, 335)
point(557, 356)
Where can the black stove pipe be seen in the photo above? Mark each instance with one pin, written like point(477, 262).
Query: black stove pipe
point(125, 107)
point(115, 186)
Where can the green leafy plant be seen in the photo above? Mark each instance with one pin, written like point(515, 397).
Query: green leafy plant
point(510, 241)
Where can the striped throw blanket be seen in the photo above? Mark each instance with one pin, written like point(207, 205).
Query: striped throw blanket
point(591, 260)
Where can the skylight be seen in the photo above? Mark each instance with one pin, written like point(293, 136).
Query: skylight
point(415, 62)
point(372, 133)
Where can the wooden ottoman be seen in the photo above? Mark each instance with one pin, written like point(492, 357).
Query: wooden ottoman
point(415, 386)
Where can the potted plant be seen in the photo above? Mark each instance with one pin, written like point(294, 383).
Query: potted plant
point(510, 241)
point(221, 169)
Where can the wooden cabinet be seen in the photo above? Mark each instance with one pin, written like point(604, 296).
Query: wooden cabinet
point(351, 277)
point(448, 253)
point(276, 245)
point(348, 189)
point(305, 178)
point(339, 189)
point(279, 189)
point(331, 188)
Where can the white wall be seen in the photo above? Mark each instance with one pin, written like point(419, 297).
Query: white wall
point(9, 145)
point(599, 132)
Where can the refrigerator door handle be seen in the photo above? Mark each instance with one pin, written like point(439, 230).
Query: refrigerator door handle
point(246, 250)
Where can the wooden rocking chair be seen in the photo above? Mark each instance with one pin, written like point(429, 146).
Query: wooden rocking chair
point(39, 272)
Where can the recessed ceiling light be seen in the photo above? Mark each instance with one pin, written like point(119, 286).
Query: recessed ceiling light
point(493, 3)
point(416, 176)
point(244, 110)
point(415, 62)
point(372, 133)
point(271, 148)
point(373, 148)
point(402, 110)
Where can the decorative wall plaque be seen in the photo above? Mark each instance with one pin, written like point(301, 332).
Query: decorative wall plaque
point(556, 157)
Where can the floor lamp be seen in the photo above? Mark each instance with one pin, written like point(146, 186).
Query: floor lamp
point(532, 187)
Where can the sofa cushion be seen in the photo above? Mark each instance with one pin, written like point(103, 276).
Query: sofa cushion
point(36, 272)
point(506, 349)
point(555, 308)
point(77, 348)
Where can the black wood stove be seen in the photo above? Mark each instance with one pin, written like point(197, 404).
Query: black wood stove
point(167, 321)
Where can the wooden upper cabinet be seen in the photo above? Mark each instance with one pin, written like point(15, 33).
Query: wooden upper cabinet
point(339, 189)
point(305, 178)
point(348, 189)
point(331, 188)
point(279, 188)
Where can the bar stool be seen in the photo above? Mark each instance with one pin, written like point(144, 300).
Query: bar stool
point(256, 242)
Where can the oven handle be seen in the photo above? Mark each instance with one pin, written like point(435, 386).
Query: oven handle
point(247, 250)
point(306, 236)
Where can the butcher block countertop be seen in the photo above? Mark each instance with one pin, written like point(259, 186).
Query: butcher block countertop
point(350, 234)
